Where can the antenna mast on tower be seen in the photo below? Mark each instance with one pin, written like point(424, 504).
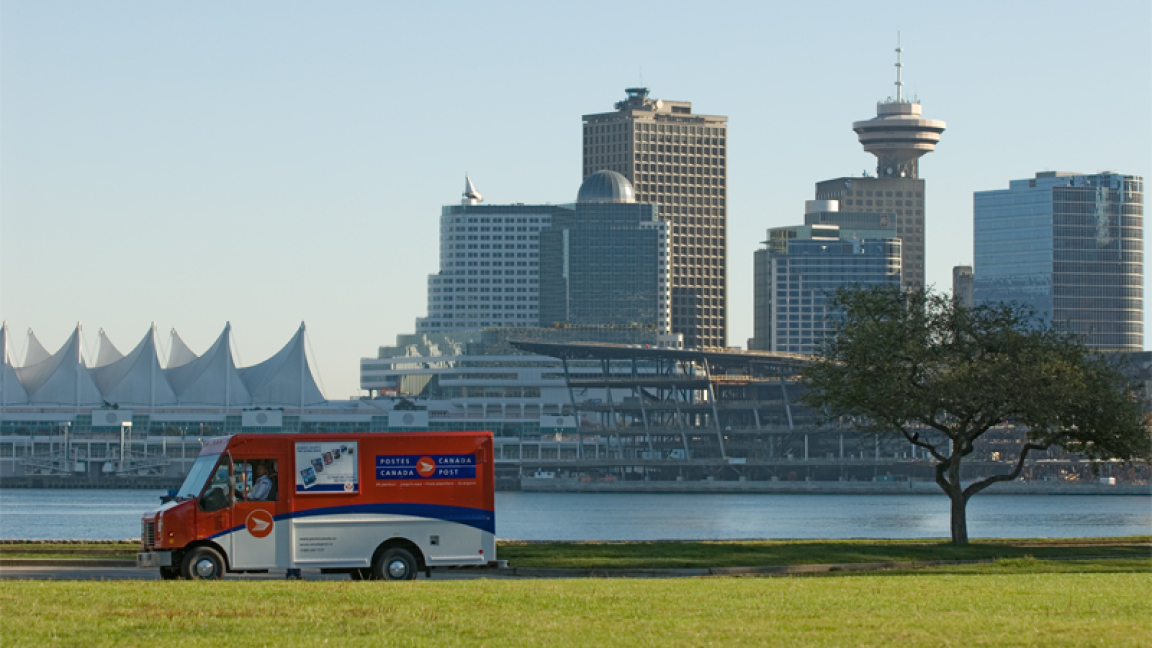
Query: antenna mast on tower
point(899, 65)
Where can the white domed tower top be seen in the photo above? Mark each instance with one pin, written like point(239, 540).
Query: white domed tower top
point(606, 187)
point(898, 135)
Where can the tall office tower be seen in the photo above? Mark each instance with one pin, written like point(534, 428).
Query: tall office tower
point(605, 263)
point(489, 266)
point(801, 265)
point(897, 136)
point(1070, 246)
point(963, 286)
point(677, 160)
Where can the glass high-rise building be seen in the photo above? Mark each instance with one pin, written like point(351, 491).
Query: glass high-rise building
point(679, 161)
point(801, 266)
point(605, 262)
point(1070, 246)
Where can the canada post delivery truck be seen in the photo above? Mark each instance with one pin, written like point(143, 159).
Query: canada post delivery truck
point(375, 506)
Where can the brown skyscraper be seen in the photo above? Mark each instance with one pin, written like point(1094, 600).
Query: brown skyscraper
point(680, 162)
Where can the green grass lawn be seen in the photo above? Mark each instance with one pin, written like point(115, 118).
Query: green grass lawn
point(639, 555)
point(1011, 603)
point(652, 555)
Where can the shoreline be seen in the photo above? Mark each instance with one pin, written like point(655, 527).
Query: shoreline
point(541, 485)
point(561, 485)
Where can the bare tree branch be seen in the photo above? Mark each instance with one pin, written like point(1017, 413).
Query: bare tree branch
point(988, 481)
point(915, 440)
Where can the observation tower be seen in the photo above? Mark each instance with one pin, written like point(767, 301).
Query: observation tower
point(898, 135)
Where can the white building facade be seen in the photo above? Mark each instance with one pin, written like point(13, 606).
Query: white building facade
point(489, 266)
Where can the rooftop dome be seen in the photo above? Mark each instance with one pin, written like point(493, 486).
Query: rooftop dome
point(606, 187)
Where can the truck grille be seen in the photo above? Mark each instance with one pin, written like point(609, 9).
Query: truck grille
point(148, 533)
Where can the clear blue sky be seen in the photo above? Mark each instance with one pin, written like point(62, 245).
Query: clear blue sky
point(267, 163)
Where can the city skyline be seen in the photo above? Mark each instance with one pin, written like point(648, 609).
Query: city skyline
point(267, 165)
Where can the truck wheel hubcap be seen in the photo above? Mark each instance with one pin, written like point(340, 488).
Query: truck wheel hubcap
point(205, 568)
point(397, 569)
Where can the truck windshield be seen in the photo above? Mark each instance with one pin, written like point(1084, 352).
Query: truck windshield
point(197, 476)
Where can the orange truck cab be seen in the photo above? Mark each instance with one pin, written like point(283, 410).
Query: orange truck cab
point(375, 506)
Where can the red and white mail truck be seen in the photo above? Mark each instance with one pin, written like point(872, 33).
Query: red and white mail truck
point(376, 506)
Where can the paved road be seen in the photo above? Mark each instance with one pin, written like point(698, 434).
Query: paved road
point(131, 573)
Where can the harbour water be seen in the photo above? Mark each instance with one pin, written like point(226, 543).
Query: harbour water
point(44, 514)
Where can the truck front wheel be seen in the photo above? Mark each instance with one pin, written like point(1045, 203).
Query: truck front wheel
point(395, 564)
point(203, 563)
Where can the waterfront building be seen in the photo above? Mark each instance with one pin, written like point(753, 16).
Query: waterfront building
point(679, 161)
point(591, 271)
point(898, 136)
point(1070, 246)
point(595, 271)
point(802, 265)
point(479, 380)
point(605, 262)
point(126, 419)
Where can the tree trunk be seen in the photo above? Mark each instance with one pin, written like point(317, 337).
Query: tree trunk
point(948, 479)
point(959, 518)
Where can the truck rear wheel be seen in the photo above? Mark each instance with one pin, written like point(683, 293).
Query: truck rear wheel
point(395, 564)
point(203, 563)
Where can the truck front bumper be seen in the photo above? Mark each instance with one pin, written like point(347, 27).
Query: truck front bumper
point(153, 559)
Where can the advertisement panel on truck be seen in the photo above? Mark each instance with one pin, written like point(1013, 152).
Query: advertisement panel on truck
point(381, 506)
point(327, 467)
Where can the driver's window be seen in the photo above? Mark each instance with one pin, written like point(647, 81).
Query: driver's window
point(260, 483)
point(218, 494)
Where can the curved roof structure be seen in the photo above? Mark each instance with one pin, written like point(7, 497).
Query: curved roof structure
point(179, 354)
point(11, 391)
point(62, 379)
point(606, 187)
point(36, 352)
point(108, 352)
point(135, 379)
point(211, 379)
point(284, 379)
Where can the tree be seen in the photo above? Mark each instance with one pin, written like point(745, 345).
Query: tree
point(919, 365)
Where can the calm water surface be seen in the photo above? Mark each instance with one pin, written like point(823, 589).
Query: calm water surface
point(40, 514)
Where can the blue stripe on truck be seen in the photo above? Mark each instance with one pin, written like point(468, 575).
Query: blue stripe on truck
point(476, 518)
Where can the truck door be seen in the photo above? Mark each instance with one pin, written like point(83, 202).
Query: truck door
point(215, 506)
point(259, 538)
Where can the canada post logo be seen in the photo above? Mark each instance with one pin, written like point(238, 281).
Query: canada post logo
point(259, 523)
point(454, 466)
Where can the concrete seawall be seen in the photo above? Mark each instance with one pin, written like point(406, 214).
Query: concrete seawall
point(531, 484)
point(87, 483)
